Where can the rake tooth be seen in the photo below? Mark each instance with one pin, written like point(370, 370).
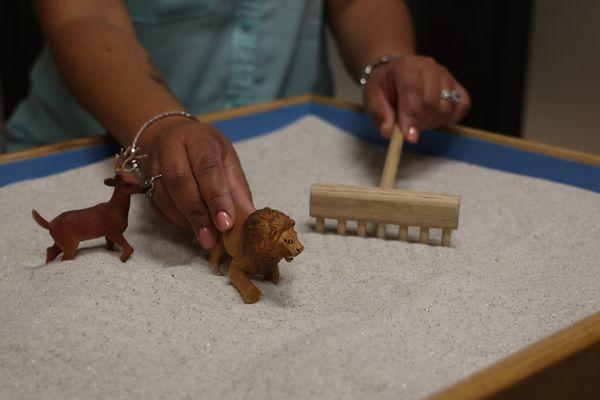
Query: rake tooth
point(403, 234)
point(341, 228)
point(362, 229)
point(381, 231)
point(446, 235)
point(320, 225)
point(424, 234)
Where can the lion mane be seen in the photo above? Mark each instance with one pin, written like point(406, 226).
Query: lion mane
point(262, 229)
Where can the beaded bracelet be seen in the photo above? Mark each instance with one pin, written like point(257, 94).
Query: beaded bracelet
point(370, 67)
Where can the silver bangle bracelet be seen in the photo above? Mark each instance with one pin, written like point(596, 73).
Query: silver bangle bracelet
point(156, 118)
point(369, 68)
point(131, 150)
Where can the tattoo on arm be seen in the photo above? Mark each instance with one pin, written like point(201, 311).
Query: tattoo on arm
point(156, 76)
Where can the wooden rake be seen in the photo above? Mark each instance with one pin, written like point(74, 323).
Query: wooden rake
point(385, 205)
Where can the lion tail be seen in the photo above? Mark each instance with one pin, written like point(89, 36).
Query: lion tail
point(40, 220)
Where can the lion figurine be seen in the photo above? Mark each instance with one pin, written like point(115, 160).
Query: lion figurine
point(256, 244)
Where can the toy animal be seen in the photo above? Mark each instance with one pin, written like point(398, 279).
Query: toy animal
point(105, 219)
point(256, 243)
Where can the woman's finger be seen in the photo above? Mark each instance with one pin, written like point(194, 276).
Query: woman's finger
point(445, 108)
point(462, 107)
point(161, 199)
point(409, 88)
point(182, 189)
point(378, 106)
point(430, 71)
point(206, 162)
point(238, 184)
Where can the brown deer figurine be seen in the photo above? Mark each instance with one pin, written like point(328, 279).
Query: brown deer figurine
point(105, 219)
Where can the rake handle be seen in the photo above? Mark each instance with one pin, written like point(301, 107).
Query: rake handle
point(390, 167)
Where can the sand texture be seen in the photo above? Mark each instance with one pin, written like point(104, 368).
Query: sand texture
point(352, 318)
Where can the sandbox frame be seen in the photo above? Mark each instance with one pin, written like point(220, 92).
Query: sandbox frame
point(563, 365)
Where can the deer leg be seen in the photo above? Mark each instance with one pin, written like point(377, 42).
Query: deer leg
point(119, 239)
point(274, 275)
point(110, 245)
point(249, 292)
point(216, 253)
point(69, 248)
point(52, 252)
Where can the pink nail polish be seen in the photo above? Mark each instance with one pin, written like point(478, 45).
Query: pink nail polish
point(413, 134)
point(206, 238)
point(223, 221)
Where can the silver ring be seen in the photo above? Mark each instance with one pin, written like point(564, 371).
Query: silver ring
point(149, 184)
point(450, 95)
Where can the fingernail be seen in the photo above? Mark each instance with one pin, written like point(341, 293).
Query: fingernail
point(223, 221)
point(413, 134)
point(383, 130)
point(206, 238)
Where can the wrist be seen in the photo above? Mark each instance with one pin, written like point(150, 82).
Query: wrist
point(153, 133)
point(151, 129)
point(375, 64)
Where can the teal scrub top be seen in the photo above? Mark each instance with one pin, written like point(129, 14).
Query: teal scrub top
point(214, 54)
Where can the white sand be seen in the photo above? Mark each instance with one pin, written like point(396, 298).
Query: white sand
point(352, 318)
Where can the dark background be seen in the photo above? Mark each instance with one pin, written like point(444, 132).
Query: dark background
point(483, 42)
point(21, 42)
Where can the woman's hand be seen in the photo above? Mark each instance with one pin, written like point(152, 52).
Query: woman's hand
point(201, 180)
point(407, 92)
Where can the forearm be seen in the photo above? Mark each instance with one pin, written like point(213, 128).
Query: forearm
point(366, 30)
point(110, 74)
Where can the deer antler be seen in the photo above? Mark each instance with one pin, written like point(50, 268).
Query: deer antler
point(126, 160)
